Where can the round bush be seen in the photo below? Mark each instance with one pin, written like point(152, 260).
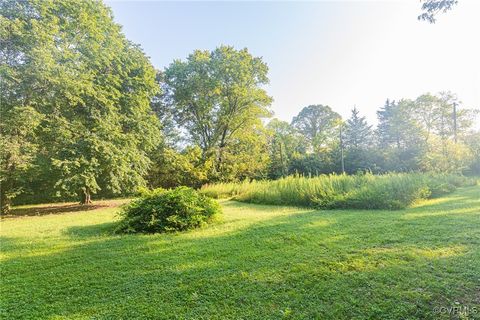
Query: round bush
point(162, 210)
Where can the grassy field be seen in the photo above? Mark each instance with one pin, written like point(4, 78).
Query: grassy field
point(261, 262)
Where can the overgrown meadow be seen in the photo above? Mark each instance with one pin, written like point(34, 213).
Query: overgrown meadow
point(365, 191)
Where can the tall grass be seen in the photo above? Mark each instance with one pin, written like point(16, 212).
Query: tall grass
point(367, 191)
point(227, 190)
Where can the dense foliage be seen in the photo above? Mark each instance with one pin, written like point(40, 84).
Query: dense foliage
point(217, 99)
point(84, 112)
point(365, 191)
point(76, 101)
point(430, 133)
point(161, 210)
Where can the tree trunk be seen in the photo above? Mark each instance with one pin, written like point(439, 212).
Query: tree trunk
point(220, 151)
point(85, 196)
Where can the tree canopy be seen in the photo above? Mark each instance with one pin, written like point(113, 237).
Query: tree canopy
point(88, 91)
point(317, 123)
point(218, 99)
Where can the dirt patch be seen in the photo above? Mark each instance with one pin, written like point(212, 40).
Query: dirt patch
point(58, 208)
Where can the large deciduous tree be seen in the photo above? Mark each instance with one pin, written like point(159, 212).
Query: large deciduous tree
point(319, 125)
point(218, 98)
point(447, 125)
point(69, 63)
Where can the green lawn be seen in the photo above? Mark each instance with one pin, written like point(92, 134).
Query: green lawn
point(261, 262)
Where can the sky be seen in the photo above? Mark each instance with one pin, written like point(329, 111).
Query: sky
point(336, 53)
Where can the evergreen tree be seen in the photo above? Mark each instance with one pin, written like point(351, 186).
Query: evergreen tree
point(358, 134)
point(401, 138)
point(358, 144)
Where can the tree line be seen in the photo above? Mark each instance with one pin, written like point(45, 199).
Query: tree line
point(84, 112)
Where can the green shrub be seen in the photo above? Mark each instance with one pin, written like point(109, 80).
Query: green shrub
point(163, 210)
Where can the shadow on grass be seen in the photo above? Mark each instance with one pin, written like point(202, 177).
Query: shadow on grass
point(307, 265)
point(460, 198)
point(53, 209)
point(40, 210)
point(96, 230)
point(8, 243)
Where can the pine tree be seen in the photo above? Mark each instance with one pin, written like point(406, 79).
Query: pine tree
point(358, 141)
point(358, 133)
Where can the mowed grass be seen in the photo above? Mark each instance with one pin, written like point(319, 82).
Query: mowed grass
point(261, 262)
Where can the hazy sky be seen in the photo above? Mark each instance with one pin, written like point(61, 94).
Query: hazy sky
point(339, 53)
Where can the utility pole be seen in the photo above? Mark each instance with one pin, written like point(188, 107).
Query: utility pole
point(455, 122)
point(341, 148)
